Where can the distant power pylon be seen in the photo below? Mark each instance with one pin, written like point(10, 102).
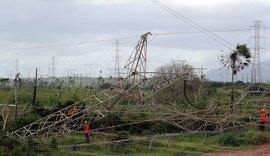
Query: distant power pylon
point(117, 58)
point(17, 67)
point(53, 67)
point(256, 71)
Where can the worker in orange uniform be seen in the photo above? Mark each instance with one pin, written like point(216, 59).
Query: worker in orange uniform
point(87, 130)
point(262, 119)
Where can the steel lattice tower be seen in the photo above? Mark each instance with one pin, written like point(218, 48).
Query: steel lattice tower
point(117, 57)
point(53, 67)
point(256, 71)
point(17, 67)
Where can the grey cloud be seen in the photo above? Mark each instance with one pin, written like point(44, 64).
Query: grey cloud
point(30, 23)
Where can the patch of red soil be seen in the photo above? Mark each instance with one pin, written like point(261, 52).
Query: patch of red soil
point(261, 150)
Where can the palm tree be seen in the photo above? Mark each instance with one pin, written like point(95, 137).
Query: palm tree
point(237, 60)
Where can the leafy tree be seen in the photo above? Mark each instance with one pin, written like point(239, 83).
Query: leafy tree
point(174, 93)
point(4, 83)
point(237, 60)
point(105, 86)
point(101, 81)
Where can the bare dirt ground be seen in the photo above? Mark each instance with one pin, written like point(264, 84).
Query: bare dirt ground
point(261, 150)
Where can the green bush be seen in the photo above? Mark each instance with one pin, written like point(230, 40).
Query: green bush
point(229, 139)
point(158, 127)
point(22, 151)
point(4, 151)
point(11, 147)
point(54, 143)
point(32, 143)
point(256, 138)
point(7, 142)
point(250, 137)
point(27, 119)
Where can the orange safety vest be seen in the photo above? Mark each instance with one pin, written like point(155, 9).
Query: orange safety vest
point(87, 128)
point(263, 115)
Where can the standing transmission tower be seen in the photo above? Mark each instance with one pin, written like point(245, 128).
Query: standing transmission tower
point(53, 67)
point(17, 67)
point(117, 57)
point(256, 71)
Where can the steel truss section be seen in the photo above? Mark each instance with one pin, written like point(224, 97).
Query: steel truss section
point(98, 106)
point(71, 118)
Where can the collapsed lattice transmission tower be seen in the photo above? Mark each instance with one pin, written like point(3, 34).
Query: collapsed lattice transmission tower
point(136, 64)
point(136, 95)
point(98, 106)
point(256, 71)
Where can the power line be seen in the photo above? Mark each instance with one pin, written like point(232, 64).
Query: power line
point(199, 32)
point(266, 64)
point(67, 44)
point(265, 70)
point(128, 37)
point(194, 25)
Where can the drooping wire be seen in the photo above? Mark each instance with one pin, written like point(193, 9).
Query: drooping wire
point(108, 40)
point(198, 32)
point(185, 95)
point(193, 24)
point(66, 44)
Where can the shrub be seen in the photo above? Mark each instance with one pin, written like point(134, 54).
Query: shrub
point(256, 138)
point(4, 151)
point(54, 143)
point(12, 147)
point(29, 118)
point(32, 143)
point(7, 142)
point(22, 151)
point(251, 137)
point(158, 127)
point(229, 139)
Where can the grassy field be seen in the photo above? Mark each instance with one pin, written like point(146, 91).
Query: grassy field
point(182, 144)
point(139, 142)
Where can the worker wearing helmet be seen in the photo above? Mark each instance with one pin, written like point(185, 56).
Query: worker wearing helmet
point(87, 130)
point(262, 119)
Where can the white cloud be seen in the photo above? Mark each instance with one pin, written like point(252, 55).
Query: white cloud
point(183, 3)
point(104, 2)
point(212, 3)
point(200, 3)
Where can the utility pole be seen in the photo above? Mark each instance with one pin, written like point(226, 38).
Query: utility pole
point(80, 75)
point(201, 72)
point(16, 81)
point(35, 91)
point(100, 80)
point(17, 67)
point(15, 88)
point(256, 71)
point(53, 68)
point(49, 73)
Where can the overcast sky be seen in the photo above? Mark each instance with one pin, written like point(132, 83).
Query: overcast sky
point(43, 23)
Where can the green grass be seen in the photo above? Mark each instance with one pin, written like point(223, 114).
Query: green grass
point(190, 145)
point(45, 97)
